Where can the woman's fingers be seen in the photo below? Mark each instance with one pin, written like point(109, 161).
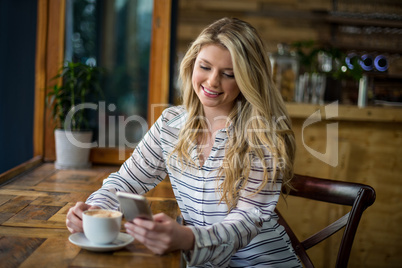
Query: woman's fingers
point(160, 228)
point(74, 217)
point(73, 228)
point(73, 221)
point(161, 235)
point(149, 239)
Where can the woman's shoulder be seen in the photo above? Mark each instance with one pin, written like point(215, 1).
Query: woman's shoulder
point(174, 116)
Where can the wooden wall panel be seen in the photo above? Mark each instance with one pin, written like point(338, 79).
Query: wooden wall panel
point(54, 58)
point(40, 78)
point(370, 152)
point(276, 20)
point(160, 60)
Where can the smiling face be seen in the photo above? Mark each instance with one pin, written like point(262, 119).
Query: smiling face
point(213, 80)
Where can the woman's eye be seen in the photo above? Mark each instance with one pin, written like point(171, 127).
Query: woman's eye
point(228, 75)
point(205, 68)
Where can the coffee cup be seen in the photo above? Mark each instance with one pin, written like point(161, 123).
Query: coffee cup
point(101, 226)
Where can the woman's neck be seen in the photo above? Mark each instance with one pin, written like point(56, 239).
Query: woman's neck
point(216, 120)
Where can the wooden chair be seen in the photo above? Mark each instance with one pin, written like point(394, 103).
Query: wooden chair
point(358, 196)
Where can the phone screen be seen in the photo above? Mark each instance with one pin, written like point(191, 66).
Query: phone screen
point(134, 206)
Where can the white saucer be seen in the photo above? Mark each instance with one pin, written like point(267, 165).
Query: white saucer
point(121, 241)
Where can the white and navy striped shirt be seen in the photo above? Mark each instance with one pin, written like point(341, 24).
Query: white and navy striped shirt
point(248, 236)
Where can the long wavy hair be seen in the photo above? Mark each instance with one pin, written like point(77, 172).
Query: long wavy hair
point(259, 121)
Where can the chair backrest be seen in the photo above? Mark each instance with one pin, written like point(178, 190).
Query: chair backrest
point(358, 196)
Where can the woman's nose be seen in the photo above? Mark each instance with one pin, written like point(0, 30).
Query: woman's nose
point(213, 79)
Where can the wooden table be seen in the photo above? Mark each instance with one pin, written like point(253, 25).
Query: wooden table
point(33, 209)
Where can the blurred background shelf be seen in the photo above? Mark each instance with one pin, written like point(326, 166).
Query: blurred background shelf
point(347, 112)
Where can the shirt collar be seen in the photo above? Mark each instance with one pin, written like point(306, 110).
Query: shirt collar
point(178, 121)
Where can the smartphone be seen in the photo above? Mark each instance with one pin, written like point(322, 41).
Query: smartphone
point(134, 206)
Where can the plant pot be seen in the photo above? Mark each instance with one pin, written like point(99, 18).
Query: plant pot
point(72, 149)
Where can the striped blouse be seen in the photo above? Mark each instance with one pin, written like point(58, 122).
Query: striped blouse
point(248, 236)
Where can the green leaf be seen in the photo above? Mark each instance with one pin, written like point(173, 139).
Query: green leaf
point(79, 81)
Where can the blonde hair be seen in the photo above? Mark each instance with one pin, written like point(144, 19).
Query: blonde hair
point(259, 107)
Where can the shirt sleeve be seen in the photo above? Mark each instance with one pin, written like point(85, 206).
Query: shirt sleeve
point(141, 172)
point(218, 242)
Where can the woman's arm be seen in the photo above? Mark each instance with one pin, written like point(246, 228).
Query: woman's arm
point(140, 173)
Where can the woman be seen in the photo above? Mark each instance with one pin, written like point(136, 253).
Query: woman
point(228, 151)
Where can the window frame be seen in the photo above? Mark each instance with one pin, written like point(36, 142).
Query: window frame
point(50, 54)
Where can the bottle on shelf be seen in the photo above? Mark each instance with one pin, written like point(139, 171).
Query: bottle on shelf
point(285, 68)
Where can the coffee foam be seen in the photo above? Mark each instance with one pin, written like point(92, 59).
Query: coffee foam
point(103, 213)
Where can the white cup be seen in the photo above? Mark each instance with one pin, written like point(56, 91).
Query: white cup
point(101, 226)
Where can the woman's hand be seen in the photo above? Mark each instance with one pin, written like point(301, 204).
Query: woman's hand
point(74, 217)
point(161, 235)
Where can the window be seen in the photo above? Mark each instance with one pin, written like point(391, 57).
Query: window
point(116, 35)
point(51, 52)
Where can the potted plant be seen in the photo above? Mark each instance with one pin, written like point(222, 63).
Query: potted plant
point(68, 102)
point(323, 68)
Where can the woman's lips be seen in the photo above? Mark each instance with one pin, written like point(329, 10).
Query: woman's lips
point(210, 93)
